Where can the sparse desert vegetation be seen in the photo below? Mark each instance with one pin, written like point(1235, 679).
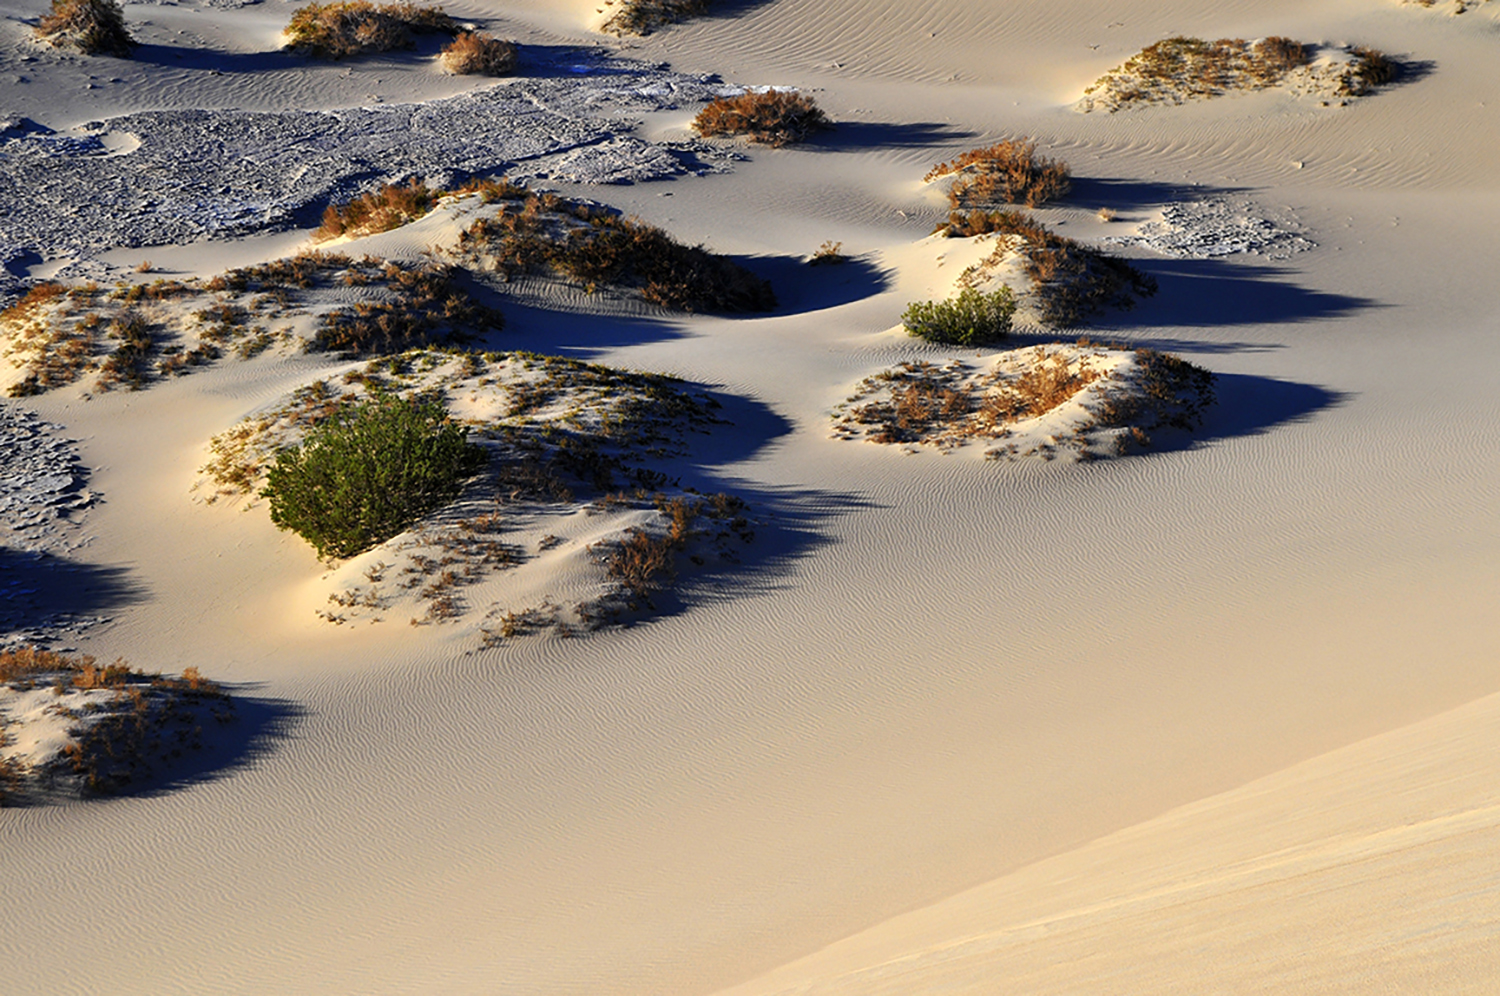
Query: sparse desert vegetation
point(358, 27)
point(137, 334)
point(1070, 281)
point(969, 318)
point(93, 27)
point(594, 246)
point(771, 117)
point(830, 253)
point(381, 210)
point(368, 472)
point(1086, 399)
point(69, 724)
point(641, 17)
point(477, 53)
point(1008, 172)
point(1177, 69)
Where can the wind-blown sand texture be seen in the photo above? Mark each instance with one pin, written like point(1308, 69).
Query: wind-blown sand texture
point(1219, 716)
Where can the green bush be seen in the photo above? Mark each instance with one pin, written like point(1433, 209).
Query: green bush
point(368, 472)
point(966, 319)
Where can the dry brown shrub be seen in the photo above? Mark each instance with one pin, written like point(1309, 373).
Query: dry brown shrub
point(1369, 68)
point(427, 307)
point(641, 17)
point(1008, 172)
point(356, 27)
point(1037, 390)
point(93, 27)
point(775, 118)
point(643, 564)
point(392, 206)
point(479, 54)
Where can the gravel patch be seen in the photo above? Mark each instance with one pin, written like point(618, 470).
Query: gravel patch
point(1214, 227)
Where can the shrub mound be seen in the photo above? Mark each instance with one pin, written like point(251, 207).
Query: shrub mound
point(103, 728)
point(479, 54)
point(641, 17)
point(1175, 69)
point(1008, 172)
point(93, 27)
point(368, 472)
point(1069, 280)
point(592, 245)
point(357, 27)
point(775, 118)
point(968, 318)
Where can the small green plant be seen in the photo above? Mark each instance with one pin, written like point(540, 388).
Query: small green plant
point(775, 117)
point(966, 319)
point(93, 27)
point(356, 27)
point(368, 472)
point(479, 54)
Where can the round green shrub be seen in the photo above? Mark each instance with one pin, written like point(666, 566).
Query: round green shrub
point(369, 472)
point(968, 318)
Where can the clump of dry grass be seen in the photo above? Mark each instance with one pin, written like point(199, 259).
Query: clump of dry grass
point(358, 27)
point(775, 117)
point(391, 206)
point(1070, 281)
point(594, 246)
point(1175, 69)
point(427, 307)
point(479, 54)
point(1368, 69)
point(1008, 172)
point(93, 27)
point(830, 253)
point(142, 720)
point(641, 17)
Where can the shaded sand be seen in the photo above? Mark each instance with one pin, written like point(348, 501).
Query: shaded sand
point(1215, 717)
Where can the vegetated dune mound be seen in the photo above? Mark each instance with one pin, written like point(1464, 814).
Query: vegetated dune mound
point(71, 726)
point(1008, 172)
point(1059, 281)
point(568, 526)
point(1450, 6)
point(594, 246)
point(357, 27)
point(138, 334)
point(641, 17)
point(1175, 70)
point(1082, 401)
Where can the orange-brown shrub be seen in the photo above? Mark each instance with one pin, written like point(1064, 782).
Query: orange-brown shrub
point(392, 206)
point(355, 27)
point(479, 54)
point(775, 118)
point(93, 27)
point(1008, 172)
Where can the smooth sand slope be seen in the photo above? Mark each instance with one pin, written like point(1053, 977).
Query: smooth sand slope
point(1215, 718)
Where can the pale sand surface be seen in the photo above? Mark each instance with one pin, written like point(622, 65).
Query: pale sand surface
point(1214, 719)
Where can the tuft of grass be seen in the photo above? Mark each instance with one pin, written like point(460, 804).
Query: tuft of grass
point(594, 246)
point(1071, 281)
point(1368, 69)
point(358, 27)
point(479, 54)
point(93, 27)
point(368, 472)
point(641, 17)
point(969, 318)
point(828, 254)
point(392, 206)
point(1008, 172)
point(775, 118)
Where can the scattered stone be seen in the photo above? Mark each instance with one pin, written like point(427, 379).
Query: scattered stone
point(1214, 227)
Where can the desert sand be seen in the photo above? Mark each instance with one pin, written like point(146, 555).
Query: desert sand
point(1218, 716)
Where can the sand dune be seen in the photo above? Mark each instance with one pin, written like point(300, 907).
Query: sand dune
point(1217, 717)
